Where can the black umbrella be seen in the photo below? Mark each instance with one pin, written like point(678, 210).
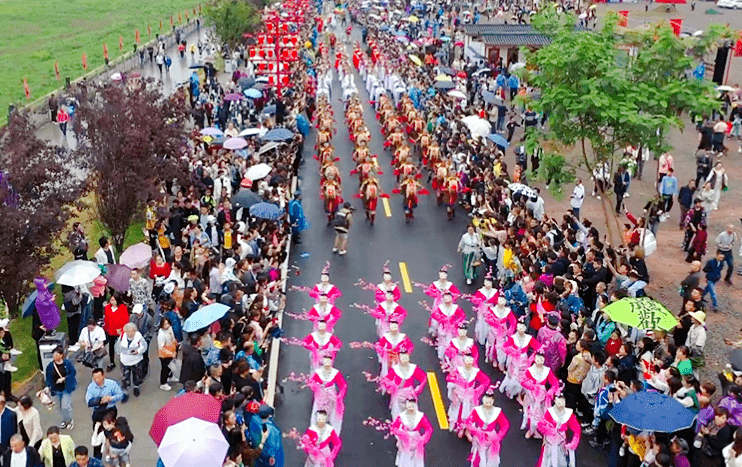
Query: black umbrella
point(735, 359)
point(196, 66)
point(444, 85)
point(245, 198)
point(245, 82)
point(269, 109)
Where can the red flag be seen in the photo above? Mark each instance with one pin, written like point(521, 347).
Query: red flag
point(172, 23)
point(84, 61)
point(137, 37)
point(105, 51)
point(623, 19)
point(26, 89)
point(160, 25)
point(738, 46)
point(676, 24)
point(121, 42)
point(180, 18)
point(56, 70)
point(149, 30)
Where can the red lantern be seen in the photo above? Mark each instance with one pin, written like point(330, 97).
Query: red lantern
point(294, 55)
point(272, 80)
point(270, 40)
point(261, 40)
point(261, 66)
point(262, 53)
point(269, 27)
point(252, 53)
point(294, 40)
point(285, 27)
point(285, 80)
point(285, 41)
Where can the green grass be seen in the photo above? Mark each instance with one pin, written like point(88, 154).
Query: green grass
point(39, 32)
point(21, 328)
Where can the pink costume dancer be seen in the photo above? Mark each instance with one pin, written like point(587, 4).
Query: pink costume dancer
point(329, 388)
point(485, 296)
point(553, 343)
point(324, 311)
point(403, 381)
point(446, 318)
point(487, 427)
point(389, 346)
point(556, 451)
point(321, 443)
point(457, 348)
point(319, 343)
point(537, 397)
point(386, 285)
point(501, 322)
point(387, 310)
point(436, 289)
point(324, 287)
point(413, 431)
point(516, 347)
point(465, 386)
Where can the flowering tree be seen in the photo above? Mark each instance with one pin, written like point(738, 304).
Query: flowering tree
point(133, 136)
point(38, 186)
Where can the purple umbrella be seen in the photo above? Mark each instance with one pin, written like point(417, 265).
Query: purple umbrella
point(235, 143)
point(118, 276)
point(46, 306)
point(136, 256)
point(212, 131)
point(234, 97)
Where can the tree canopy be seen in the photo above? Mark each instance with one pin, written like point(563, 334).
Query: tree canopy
point(233, 18)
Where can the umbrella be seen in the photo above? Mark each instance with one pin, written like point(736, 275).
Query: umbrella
point(78, 272)
point(457, 94)
point(444, 85)
point(443, 78)
point(206, 315)
point(641, 313)
point(524, 190)
point(489, 97)
point(182, 408)
point(253, 93)
point(652, 411)
point(118, 276)
point(212, 131)
point(196, 66)
point(217, 140)
point(724, 87)
point(278, 134)
point(672, 1)
point(402, 39)
point(253, 131)
point(269, 109)
point(30, 304)
point(483, 70)
point(193, 442)
point(415, 59)
point(235, 143)
point(136, 256)
point(477, 126)
point(261, 79)
point(413, 19)
point(256, 172)
point(245, 198)
point(735, 357)
point(447, 70)
point(260, 85)
point(517, 66)
point(268, 147)
point(245, 82)
point(499, 140)
point(266, 211)
point(235, 96)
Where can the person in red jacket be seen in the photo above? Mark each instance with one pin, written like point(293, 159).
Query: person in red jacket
point(159, 271)
point(115, 316)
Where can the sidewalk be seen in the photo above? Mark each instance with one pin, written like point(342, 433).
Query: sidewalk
point(178, 74)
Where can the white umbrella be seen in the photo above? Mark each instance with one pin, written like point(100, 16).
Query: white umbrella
point(517, 66)
point(477, 126)
point(253, 131)
point(524, 190)
point(457, 94)
point(483, 70)
point(193, 442)
point(78, 272)
point(268, 147)
point(724, 87)
point(256, 172)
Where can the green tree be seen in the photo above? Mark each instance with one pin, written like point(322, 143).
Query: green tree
point(233, 18)
point(600, 98)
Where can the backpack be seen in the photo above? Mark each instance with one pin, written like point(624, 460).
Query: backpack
point(341, 221)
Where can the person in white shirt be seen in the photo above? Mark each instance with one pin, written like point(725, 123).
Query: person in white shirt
point(93, 339)
point(106, 254)
point(696, 340)
point(733, 453)
point(19, 455)
point(577, 198)
point(132, 347)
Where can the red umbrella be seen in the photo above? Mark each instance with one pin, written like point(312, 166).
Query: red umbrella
point(182, 408)
point(672, 1)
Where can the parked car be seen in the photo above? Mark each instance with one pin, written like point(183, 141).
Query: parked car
point(733, 4)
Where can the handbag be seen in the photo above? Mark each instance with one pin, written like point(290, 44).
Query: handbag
point(101, 352)
point(45, 397)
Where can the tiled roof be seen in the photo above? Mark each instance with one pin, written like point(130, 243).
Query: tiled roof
point(532, 39)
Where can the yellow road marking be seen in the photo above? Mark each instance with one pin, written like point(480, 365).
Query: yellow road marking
point(387, 208)
point(376, 161)
point(435, 393)
point(405, 277)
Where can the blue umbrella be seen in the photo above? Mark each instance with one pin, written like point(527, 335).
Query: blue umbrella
point(278, 134)
point(205, 316)
point(30, 304)
point(269, 109)
point(499, 140)
point(253, 93)
point(652, 411)
point(266, 211)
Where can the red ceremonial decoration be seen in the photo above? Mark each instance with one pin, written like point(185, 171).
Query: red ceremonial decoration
point(56, 70)
point(623, 18)
point(676, 24)
point(738, 46)
point(26, 89)
point(137, 37)
point(105, 51)
point(121, 42)
point(84, 61)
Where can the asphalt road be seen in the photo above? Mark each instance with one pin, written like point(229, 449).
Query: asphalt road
point(425, 244)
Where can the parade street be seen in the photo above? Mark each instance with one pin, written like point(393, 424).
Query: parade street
point(415, 251)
